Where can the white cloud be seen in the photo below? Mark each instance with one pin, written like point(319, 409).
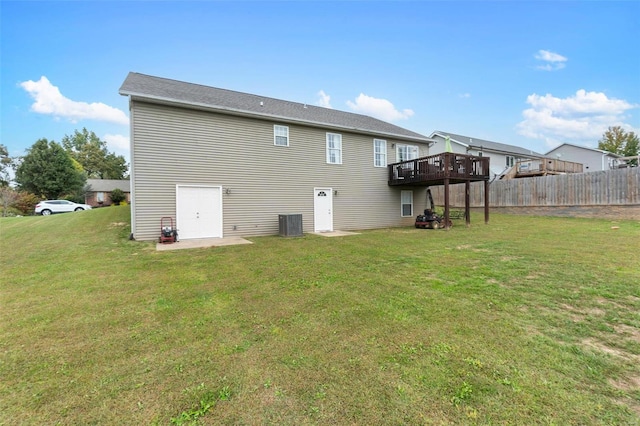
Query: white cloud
point(464, 95)
point(548, 56)
point(582, 118)
point(324, 100)
point(553, 60)
point(118, 144)
point(49, 100)
point(379, 108)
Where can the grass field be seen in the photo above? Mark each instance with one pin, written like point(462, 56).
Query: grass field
point(524, 321)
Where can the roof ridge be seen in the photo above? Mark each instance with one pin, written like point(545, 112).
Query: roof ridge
point(197, 94)
point(305, 104)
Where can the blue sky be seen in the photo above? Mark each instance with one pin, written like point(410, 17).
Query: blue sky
point(532, 74)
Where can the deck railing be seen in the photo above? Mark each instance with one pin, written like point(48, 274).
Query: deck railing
point(547, 166)
point(435, 169)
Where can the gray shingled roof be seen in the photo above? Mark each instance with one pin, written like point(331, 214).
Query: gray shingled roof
point(476, 143)
point(108, 185)
point(150, 88)
point(586, 148)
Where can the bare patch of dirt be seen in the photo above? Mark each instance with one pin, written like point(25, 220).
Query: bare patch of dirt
point(616, 352)
point(628, 332)
point(584, 312)
point(595, 344)
point(626, 384)
point(509, 258)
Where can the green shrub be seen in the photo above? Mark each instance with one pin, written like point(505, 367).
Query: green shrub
point(117, 196)
point(26, 202)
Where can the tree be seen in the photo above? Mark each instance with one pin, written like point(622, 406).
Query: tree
point(48, 171)
point(632, 148)
point(92, 153)
point(7, 197)
point(617, 141)
point(5, 164)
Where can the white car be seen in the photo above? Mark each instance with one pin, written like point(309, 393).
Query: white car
point(48, 207)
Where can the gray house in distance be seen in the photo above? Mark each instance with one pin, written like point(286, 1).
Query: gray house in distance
point(592, 159)
point(503, 156)
point(225, 163)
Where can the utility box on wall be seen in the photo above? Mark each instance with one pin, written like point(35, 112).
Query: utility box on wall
point(290, 225)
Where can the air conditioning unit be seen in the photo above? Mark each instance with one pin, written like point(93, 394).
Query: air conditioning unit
point(290, 225)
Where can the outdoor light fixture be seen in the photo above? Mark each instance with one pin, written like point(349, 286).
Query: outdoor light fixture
point(227, 191)
point(335, 192)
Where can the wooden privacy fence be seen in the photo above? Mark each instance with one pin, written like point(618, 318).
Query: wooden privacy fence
point(605, 188)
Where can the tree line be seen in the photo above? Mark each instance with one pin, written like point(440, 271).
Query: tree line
point(52, 170)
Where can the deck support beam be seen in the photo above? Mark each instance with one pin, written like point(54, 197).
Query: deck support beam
point(486, 202)
point(467, 203)
point(446, 204)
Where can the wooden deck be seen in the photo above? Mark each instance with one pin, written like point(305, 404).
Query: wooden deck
point(436, 169)
point(444, 169)
point(542, 167)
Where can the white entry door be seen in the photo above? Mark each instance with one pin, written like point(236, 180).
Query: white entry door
point(199, 211)
point(323, 209)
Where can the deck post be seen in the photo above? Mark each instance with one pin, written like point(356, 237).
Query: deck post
point(467, 206)
point(446, 203)
point(486, 201)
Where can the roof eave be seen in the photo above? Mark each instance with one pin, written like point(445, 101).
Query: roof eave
point(243, 113)
point(444, 136)
point(585, 148)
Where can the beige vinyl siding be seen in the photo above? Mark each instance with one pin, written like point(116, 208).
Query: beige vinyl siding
point(177, 146)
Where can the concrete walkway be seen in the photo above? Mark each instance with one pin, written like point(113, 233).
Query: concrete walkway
point(230, 241)
point(202, 243)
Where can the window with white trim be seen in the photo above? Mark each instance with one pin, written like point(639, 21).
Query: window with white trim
point(379, 153)
point(406, 152)
point(511, 160)
point(280, 135)
point(406, 203)
point(334, 148)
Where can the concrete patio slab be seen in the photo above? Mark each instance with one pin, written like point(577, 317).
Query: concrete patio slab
point(336, 233)
point(202, 243)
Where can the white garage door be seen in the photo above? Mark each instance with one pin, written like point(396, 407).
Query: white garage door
point(199, 211)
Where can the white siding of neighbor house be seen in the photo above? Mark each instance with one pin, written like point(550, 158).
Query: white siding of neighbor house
point(498, 160)
point(592, 161)
point(178, 146)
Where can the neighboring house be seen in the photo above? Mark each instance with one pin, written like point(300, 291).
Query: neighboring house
point(592, 159)
point(502, 156)
point(225, 163)
point(99, 191)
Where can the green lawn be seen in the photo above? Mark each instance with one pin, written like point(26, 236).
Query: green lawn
point(526, 320)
